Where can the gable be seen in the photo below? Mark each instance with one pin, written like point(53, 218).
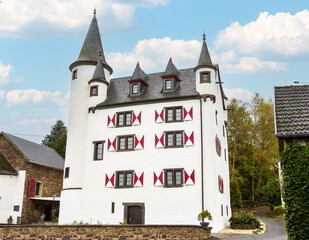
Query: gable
point(5, 167)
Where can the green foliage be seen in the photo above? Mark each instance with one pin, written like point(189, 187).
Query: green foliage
point(278, 210)
point(295, 171)
point(271, 192)
point(57, 138)
point(244, 218)
point(236, 196)
point(204, 214)
point(125, 222)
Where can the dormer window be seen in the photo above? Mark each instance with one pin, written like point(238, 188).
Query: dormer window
point(168, 84)
point(134, 89)
point(93, 91)
point(170, 78)
point(205, 77)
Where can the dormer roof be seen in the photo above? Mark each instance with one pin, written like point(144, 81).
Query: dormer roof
point(139, 74)
point(99, 75)
point(171, 70)
point(91, 47)
point(204, 59)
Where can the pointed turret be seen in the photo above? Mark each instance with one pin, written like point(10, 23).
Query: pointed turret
point(91, 47)
point(171, 70)
point(139, 74)
point(204, 59)
point(99, 74)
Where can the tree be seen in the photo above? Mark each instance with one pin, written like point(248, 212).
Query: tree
point(272, 193)
point(57, 138)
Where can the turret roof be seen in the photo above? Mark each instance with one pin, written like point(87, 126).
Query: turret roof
point(139, 74)
point(99, 71)
point(171, 69)
point(204, 59)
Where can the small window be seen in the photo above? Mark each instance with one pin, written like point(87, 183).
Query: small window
point(173, 114)
point(94, 91)
point(174, 139)
point(125, 143)
point(224, 154)
point(216, 116)
point(38, 188)
point(74, 74)
point(168, 84)
point(227, 210)
point(134, 89)
point(205, 77)
point(124, 119)
point(223, 131)
point(113, 207)
point(98, 150)
point(124, 179)
point(221, 210)
point(173, 177)
point(16, 208)
point(67, 172)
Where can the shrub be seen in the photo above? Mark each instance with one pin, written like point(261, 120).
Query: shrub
point(204, 214)
point(295, 171)
point(244, 220)
point(279, 210)
point(271, 192)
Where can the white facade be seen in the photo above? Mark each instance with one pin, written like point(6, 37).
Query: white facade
point(90, 196)
point(9, 198)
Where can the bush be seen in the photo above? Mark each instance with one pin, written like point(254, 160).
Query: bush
point(244, 220)
point(279, 210)
point(204, 214)
point(271, 192)
point(295, 171)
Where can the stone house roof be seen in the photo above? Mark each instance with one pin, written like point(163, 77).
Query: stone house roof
point(36, 153)
point(292, 111)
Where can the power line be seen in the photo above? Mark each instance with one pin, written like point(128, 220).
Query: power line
point(29, 135)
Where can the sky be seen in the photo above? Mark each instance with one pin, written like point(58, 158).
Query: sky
point(257, 44)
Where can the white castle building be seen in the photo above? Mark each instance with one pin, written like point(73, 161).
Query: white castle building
point(147, 148)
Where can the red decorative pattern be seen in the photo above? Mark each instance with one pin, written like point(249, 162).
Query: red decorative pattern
point(189, 176)
point(139, 142)
point(220, 184)
point(110, 180)
point(159, 116)
point(188, 138)
point(138, 179)
point(111, 121)
point(32, 188)
point(158, 178)
point(159, 141)
point(137, 118)
point(188, 115)
point(111, 144)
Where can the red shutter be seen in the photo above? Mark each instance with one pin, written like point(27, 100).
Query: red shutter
point(111, 121)
point(189, 177)
point(159, 140)
point(188, 115)
point(139, 142)
point(111, 144)
point(188, 138)
point(137, 118)
point(109, 180)
point(138, 179)
point(159, 116)
point(32, 188)
point(158, 179)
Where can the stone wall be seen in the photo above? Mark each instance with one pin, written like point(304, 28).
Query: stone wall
point(105, 232)
point(50, 178)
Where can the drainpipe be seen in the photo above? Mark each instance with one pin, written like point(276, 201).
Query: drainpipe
point(202, 152)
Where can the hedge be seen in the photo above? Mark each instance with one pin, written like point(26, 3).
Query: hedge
point(295, 172)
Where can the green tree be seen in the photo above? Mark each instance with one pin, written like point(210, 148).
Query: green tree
point(57, 138)
point(272, 193)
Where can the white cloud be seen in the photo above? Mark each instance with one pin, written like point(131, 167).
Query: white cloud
point(17, 18)
point(5, 71)
point(30, 96)
point(282, 33)
point(16, 114)
point(238, 93)
point(27, 121)
point(2, 93)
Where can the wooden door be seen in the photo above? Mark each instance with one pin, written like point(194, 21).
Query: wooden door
point(135, 215)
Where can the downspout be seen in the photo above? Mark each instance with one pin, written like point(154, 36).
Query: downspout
point(202, 153)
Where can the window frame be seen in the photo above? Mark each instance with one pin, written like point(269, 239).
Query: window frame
point(126, 185)
point(173, 170)
point(174, 139)
point(126, 143)
point(74, 74)
point(40, 190)
point(165, 84)
point(124, 119)
point(97, 91)
point(137, 89)
point(95, 150)
point(201, 76)
point(174, 114)
point(67, 172)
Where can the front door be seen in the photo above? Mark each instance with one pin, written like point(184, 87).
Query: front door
point(134, 213)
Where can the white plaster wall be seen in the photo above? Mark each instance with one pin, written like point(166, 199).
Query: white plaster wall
point(11, 193)
point(102, 91)
point(70, 205)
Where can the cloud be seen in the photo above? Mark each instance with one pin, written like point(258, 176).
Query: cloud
point(16, 114)
point(30, 96)
point(238, 93)
point(18, 18)
point(283, 33)
point(27, 121)
point(2, 93)
point(5, 71)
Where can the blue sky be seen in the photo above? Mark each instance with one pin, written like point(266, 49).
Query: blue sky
point(257, 44)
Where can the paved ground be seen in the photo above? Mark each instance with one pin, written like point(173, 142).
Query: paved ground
point(275, 229)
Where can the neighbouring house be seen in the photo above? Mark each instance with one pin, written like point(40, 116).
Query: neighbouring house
point(30, 180)
point(147, 148)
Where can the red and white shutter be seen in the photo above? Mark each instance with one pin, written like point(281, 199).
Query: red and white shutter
point(188, 138)
point(158, 179)
point(139, 142)
point(222, 185)
point(159, 116)
point(111, 144)
point(159, 140)
point(111, 121)
point(189, 177)
point(219, 149)
point(137, 118)
point(217, 144)
point(219, 183)
point(32, 188)
point(138, 179)
point(109, 180)
point(188, 114)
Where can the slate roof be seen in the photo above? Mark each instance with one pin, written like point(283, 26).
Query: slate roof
point(5, 167)
point(139, 74)
point(99, 72)
point(118, 91)
point(37, 153)
point(171, 69)
point(204, 59)
point(292, 111)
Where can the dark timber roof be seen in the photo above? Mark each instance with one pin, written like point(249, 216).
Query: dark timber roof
point(36, 153)
point(139, 74)
point(92, 47)
point(99, 72)
point(292, 111)
point(118, 91)
point(204, 59)
point(171, 69)
point(5, 167)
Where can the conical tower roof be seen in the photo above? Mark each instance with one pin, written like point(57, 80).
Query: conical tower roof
point(171, 69)
point(91, 47)
point(204, 59)
point(139, 74)
point(99, 74)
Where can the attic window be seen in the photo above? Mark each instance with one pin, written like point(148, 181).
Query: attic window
point(168, 84)
point(93, 91)
point(205, 77)
point(134, 88)
point(74, 74)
